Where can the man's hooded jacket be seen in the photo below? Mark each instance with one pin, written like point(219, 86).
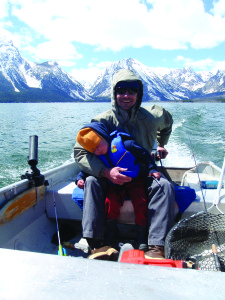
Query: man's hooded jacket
point(144, 125)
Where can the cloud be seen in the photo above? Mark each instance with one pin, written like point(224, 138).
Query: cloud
point(54, 50)
point(91, 73)
point(103, 64)
point(87, 75)
point(118, 24)
point(183, 23)
point(219, 8)
point(66, 63)
point(5, 34)
point(3, 8)
point(203, 64)
point(58, 30)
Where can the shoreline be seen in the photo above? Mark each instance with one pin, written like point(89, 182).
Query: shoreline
point(152, 101)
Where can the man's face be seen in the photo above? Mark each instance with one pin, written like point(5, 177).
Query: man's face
point(126, 97)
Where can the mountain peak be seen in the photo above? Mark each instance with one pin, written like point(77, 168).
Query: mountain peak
point(5, 40)
point(188, 69)
point(50, 64)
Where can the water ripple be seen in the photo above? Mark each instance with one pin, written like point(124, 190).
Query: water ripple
point(57, 124)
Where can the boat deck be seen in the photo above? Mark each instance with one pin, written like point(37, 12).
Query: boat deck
point(42, 276)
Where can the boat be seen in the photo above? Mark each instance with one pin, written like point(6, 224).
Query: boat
point(31, 211)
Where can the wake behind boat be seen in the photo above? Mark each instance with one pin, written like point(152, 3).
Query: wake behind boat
point(28, 223)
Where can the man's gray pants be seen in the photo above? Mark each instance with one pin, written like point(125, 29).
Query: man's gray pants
point(160, 209)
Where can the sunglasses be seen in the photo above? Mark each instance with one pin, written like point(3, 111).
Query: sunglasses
point(122, 91)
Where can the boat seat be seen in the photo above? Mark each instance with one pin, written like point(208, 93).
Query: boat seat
point(65, 207)
point(69, 204)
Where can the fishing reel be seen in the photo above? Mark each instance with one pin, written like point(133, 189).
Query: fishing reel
point(34, 175)
point(154, 155)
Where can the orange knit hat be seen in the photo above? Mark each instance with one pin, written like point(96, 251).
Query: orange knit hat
point(88, 139)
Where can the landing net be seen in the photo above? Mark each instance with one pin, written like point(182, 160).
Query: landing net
point(190, 240)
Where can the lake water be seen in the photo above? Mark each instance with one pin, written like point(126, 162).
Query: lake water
point(199, 128)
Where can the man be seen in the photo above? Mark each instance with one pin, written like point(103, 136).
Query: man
point(145, 125)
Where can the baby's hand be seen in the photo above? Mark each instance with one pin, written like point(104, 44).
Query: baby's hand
point(80, 183)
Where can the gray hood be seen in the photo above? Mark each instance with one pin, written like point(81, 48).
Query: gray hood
point(125, 75)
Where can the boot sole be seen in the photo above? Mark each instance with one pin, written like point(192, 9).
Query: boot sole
point(110, 255)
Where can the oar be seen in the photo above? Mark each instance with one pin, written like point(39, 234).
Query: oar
point(62, 251)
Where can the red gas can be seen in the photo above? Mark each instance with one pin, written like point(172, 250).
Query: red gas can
point(138, 257)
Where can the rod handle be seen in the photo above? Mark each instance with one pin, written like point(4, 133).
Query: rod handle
point(62, 251)
point(217, 262)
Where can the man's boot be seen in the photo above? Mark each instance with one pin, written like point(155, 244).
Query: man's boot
point(155, 251)
point(142, 237)
point(104, 253)
point(98, 251)
point(110, 232)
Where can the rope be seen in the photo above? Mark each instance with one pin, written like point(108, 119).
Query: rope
point(120, 158)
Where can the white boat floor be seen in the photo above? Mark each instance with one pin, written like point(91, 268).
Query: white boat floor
point(38, 238)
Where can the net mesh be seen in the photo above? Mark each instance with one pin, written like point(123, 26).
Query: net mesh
point(191, 240)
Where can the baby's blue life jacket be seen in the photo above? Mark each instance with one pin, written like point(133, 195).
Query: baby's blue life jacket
point(120, 157)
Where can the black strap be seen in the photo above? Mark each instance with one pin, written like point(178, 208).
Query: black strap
point(108, 160)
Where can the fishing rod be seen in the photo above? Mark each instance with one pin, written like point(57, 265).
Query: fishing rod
point(214, 249)
point(61, 251)
point(156, 157)
point(217, 198)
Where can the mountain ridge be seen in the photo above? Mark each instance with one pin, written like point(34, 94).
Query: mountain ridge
point(24, 81)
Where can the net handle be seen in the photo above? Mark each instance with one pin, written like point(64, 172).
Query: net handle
point(217, 198)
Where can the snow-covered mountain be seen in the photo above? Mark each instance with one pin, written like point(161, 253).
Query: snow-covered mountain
point(177, 84)
point(17, 74)
point(215, 85)
point(26, 81)
point(187, 78)
point(156, 86)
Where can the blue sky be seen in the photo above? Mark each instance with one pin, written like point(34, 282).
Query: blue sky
point(85, 36)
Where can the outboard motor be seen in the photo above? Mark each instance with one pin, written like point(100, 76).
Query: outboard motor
point(34, 176)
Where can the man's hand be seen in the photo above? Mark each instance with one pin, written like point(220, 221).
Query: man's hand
point(80, 183)
point(161, 152)
point(157, 175)
point(115, 176)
